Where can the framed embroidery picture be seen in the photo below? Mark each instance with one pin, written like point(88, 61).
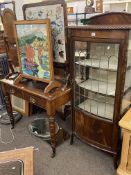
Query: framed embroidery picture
point(56, 11)
point(34, 47)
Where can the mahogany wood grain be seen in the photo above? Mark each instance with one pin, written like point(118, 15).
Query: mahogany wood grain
point(95, 131)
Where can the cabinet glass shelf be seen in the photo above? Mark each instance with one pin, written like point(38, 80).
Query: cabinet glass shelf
point(100, 109)
point(97, 104)
point(98, 63)
point(99, 86)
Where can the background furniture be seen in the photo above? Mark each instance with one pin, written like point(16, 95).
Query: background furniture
point(8, 17)
point(75, 19)
point(4, 70)
point(117, 6)
point(102, 5)
point(2, 43)
point(100, 55)
point(125, 164)
point(33, 92)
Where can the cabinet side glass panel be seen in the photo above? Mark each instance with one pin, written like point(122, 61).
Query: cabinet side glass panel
point(126, 101)
point(95, 70)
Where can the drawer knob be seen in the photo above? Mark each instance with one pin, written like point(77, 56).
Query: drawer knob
point(32, 100)
point(12, 91)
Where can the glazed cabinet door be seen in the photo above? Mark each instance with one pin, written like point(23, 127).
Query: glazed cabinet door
point(96, 68)
point(95, 76)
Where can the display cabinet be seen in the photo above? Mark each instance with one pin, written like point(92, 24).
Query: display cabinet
point(100, 58)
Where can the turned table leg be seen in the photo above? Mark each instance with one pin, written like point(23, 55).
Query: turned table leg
point(9, 108)
point(52, 134)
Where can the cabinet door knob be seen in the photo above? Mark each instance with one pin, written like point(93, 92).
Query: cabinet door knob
point(32, 100)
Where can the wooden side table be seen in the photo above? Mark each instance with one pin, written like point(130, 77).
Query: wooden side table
point(34, 93)
point(125, 164)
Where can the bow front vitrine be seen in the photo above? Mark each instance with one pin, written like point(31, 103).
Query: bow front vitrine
point(100, 57)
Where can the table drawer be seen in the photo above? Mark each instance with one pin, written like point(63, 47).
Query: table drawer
point(14, 91)
point(33, 99)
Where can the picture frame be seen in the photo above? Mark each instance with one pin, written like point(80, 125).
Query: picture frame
point(21, 161)
point(20, 105)
point(56, 11)
point(34, 49)
point(70, 10)
point(99, 6)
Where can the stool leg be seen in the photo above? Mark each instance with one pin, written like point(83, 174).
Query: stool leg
point(122, 169)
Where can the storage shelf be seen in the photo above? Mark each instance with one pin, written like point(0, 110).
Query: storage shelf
point(97, 63)
point(97, 108)
point(96, 97)
point(99, 86)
